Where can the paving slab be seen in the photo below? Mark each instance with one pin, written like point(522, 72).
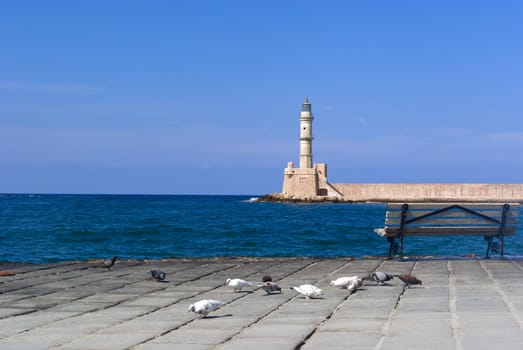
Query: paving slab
point(462, 304)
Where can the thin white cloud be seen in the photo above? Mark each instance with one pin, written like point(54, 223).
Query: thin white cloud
point(358, 120)
point(510, 136)
point(443, 145)
point(118, 146)
point(452, 132)
point(53, 88)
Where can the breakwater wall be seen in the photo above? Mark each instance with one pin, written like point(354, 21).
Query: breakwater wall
point(431, 192)
point(355, 192)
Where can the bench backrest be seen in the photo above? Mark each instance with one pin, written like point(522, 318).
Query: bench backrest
point(451, 219)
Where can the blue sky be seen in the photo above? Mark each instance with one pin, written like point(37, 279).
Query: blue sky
point(203, 97)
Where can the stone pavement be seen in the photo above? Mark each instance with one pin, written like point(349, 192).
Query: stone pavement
point(463, 304)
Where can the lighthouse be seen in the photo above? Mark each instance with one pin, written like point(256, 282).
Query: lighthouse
point(308, 181)
point(306, 135)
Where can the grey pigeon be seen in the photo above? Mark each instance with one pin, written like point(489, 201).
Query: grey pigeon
point(109, 263)
point(158, 275)
point(270, 287)
point(379, 277)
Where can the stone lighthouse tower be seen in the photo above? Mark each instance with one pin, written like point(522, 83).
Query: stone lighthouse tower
point(306, 135)
point(309, 181)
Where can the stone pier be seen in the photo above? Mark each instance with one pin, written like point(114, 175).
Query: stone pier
point(463, 304)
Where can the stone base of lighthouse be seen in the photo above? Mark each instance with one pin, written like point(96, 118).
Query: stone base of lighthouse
point(307, 183)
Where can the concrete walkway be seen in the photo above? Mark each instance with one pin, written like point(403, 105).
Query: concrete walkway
point(463, 304)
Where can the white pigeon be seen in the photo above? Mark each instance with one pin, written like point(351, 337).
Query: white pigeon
point(205, 306)
point(237, 284)
point(343, 282)
point(355, 284)
point(308, 290)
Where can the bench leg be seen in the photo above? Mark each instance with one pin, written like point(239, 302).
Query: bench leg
point(394, 247)
point(495, 247)
point(500, 238)
point(489, 244)
point(391, 245)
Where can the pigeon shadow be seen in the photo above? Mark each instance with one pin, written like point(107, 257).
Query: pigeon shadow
point(269, 294)
point(315, 298)
point(218, 316)
point(379, 285)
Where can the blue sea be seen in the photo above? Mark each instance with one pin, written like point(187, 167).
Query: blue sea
point(43, 228)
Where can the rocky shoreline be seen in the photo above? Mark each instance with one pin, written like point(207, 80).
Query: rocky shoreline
point(278, 197)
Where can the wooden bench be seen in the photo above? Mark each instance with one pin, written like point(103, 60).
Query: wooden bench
point(491, 220)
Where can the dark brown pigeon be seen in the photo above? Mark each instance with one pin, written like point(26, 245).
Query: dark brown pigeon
point(408, 280)
point(266, 278)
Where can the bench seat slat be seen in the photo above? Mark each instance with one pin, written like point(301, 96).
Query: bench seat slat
point(433, 231)
point(435, 206)
point(450, 213)
point(451, 222)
